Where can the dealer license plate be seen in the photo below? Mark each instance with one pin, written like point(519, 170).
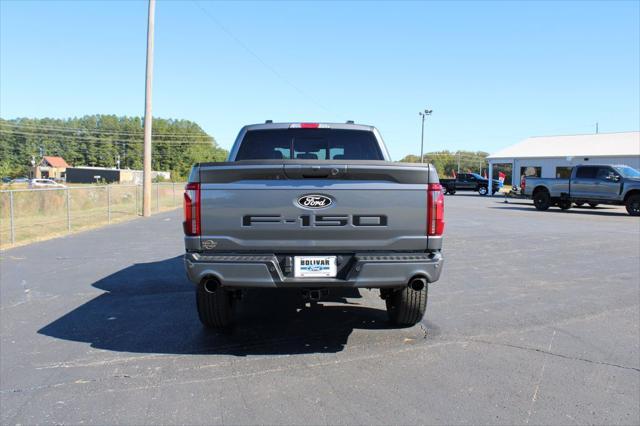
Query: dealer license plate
point(314, 266)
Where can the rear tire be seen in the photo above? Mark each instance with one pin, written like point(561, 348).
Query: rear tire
point(542, 200)
point(406, 307)
point(633, 205)
point(482, 190)
point(593, 205)
point(579, 203)
point(215, 309)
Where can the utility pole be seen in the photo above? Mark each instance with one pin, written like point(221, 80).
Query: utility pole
point(148, 119)
point(596, 127)
point(118, 161)
point(423, 115)
point(458, 162)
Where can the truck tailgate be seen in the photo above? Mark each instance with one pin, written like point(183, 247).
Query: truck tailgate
point(368, 206)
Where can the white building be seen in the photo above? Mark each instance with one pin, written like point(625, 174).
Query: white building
point(553, 156)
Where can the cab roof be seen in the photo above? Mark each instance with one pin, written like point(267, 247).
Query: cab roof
point(304, 124)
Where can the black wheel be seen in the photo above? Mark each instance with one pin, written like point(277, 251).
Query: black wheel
point(593, 205)
point(579, 203)
point(542, 200)
point(564, 204)
point(633, 205)
point(452, 192)
point(406, 307)
point(215, 306)
point(482, 190)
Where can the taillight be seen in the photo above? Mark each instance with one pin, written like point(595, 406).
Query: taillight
point(191, 222)
point(435, 209)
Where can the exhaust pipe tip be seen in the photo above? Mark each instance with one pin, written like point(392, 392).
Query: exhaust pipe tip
point(210, 285)
point(418, 283)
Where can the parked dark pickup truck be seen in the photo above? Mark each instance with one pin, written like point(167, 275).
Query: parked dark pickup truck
point(469, 182)
point(592, 184)
point(312, 206)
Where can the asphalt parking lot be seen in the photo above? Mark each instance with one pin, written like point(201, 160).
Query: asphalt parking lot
point(535, 321)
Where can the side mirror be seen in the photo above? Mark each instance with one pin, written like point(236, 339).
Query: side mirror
point(613, 177)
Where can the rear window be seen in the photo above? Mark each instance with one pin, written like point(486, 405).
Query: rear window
point(587, 172)
point(309, 144)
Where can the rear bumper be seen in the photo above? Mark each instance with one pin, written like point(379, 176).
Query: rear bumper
point(364, 270)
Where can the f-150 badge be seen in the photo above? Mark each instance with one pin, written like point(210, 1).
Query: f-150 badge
point(314, 201)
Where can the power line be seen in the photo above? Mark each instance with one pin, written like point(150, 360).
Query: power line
point(81, 129)
point(258, 58)
point(92, 139)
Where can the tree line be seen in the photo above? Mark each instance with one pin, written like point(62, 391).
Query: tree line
point(447, 162)
point(109, 141)
point(104, 141)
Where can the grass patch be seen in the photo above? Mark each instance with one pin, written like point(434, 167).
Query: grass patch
point(43, 214)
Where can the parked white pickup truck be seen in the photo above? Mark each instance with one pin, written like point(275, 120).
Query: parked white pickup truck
point(592, 184)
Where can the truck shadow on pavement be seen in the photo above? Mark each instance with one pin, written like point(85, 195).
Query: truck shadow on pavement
point(597, 211)
point(150, 308)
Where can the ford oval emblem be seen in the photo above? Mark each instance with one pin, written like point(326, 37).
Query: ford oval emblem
point(314, 201)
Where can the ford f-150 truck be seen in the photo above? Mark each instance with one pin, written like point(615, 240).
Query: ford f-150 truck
point(312, 206)
point(592, 184)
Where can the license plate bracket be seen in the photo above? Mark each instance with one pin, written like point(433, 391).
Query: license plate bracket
point(314, 266)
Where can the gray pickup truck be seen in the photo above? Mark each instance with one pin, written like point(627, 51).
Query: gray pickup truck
point(592, 184)
point(312, 206)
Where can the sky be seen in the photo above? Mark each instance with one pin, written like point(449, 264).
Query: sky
point(492, 72)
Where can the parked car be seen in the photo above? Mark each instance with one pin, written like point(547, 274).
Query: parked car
point(590, 184)
point(469, 182)
point(312, 206)
point(20, 180)
point(45, 183)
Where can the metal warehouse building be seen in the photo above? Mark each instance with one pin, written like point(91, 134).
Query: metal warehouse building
point(554, 156)
point(107, 175)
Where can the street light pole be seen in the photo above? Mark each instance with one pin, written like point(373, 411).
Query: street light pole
point(148, 118)
point(423, 115)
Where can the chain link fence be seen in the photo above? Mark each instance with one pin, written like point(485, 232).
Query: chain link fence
point(36, 214)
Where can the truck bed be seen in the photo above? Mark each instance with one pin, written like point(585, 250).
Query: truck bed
point(556, 187)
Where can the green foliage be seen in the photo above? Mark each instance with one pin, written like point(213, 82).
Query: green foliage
point(446, 162)
point(99, 140)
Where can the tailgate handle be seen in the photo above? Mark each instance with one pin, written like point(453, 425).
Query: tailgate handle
point(315, 172)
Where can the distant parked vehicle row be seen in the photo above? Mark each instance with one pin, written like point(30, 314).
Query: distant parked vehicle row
point(469, 182)
point(592, 184)
point(9, 181)
point(45, 183)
